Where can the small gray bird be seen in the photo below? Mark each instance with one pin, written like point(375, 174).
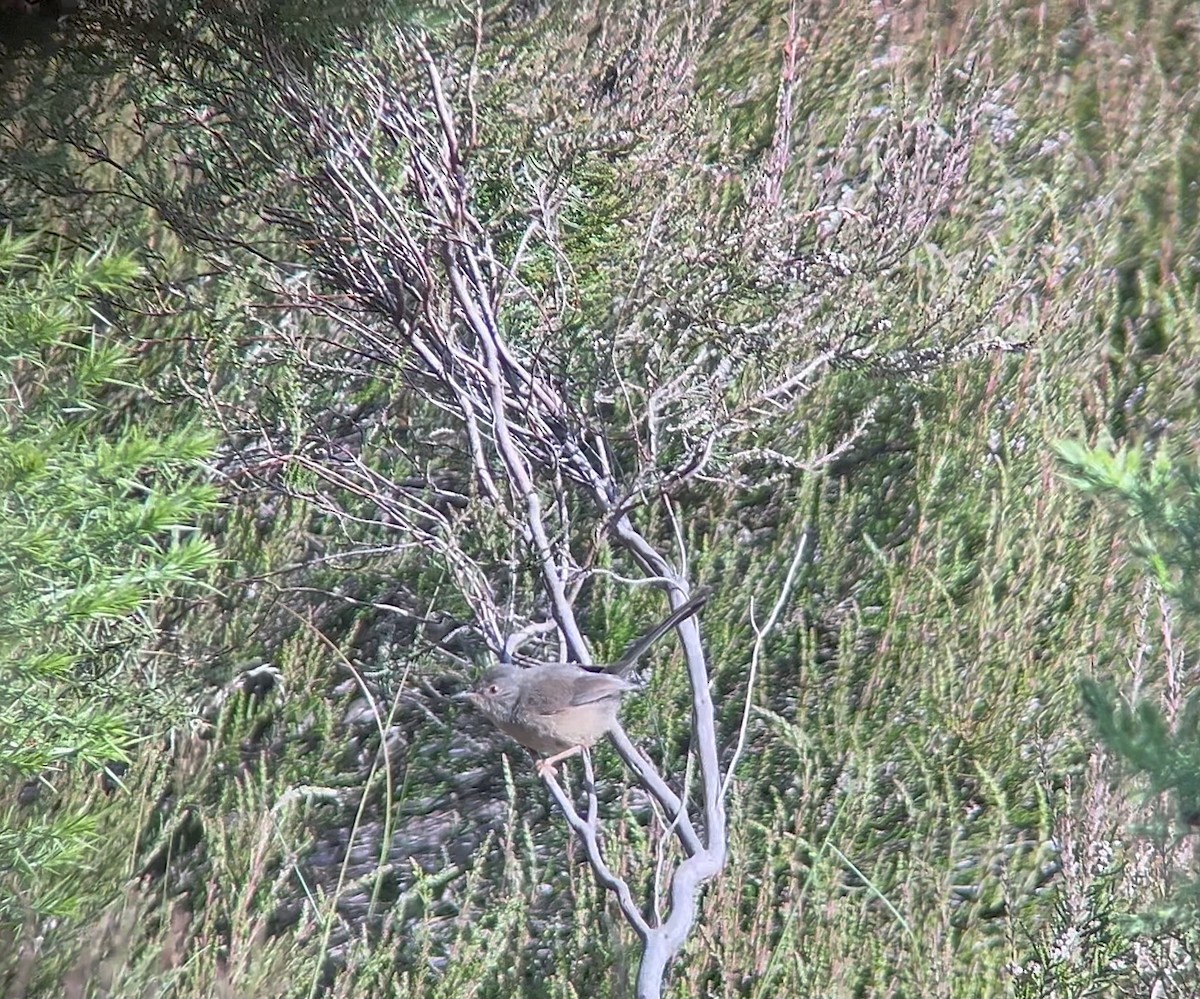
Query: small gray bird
point(560, 709)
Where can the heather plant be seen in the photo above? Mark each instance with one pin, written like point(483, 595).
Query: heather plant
point(916, 808)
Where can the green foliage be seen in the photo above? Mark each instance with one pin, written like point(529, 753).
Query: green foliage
point(97, 526)
point(915, 754)
point(1160, 497)
point(1154, 733)
point(1081, 953)
point(1141, 737)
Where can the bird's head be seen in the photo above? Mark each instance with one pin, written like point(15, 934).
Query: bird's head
point(496, 692)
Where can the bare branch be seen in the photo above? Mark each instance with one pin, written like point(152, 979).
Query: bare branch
point(543, 437)
point(588, 832)
point(760, 637)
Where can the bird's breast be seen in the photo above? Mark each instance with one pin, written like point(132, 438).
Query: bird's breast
point(575, 725)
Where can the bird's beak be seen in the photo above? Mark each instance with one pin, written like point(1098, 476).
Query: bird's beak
point(467, 695)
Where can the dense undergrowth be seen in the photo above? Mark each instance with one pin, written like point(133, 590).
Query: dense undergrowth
point(925, 810)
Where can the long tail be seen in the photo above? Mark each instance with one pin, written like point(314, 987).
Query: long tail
point(638, 648)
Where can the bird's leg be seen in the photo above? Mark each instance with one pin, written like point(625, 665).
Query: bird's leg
point(589, 778)
point(545, 768)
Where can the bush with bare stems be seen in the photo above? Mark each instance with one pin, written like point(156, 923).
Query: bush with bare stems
point(541, 458)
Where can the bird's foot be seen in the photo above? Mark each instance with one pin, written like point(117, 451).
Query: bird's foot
point(546, 768)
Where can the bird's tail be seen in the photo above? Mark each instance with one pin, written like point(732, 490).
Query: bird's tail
point(638, 648)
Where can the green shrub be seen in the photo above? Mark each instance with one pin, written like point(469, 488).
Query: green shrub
point(96, 529)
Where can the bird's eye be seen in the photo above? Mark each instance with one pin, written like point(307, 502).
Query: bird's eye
point(494, 688)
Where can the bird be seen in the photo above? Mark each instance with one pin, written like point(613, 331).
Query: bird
point(560, 709)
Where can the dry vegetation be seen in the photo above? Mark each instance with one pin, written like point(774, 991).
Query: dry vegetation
point(831, 280)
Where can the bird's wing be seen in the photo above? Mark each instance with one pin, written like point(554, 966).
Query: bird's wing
point(546, 689)
point(554, 687)
point(592, 687)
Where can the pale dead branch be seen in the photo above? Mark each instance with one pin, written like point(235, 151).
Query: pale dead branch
point(526, 479)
